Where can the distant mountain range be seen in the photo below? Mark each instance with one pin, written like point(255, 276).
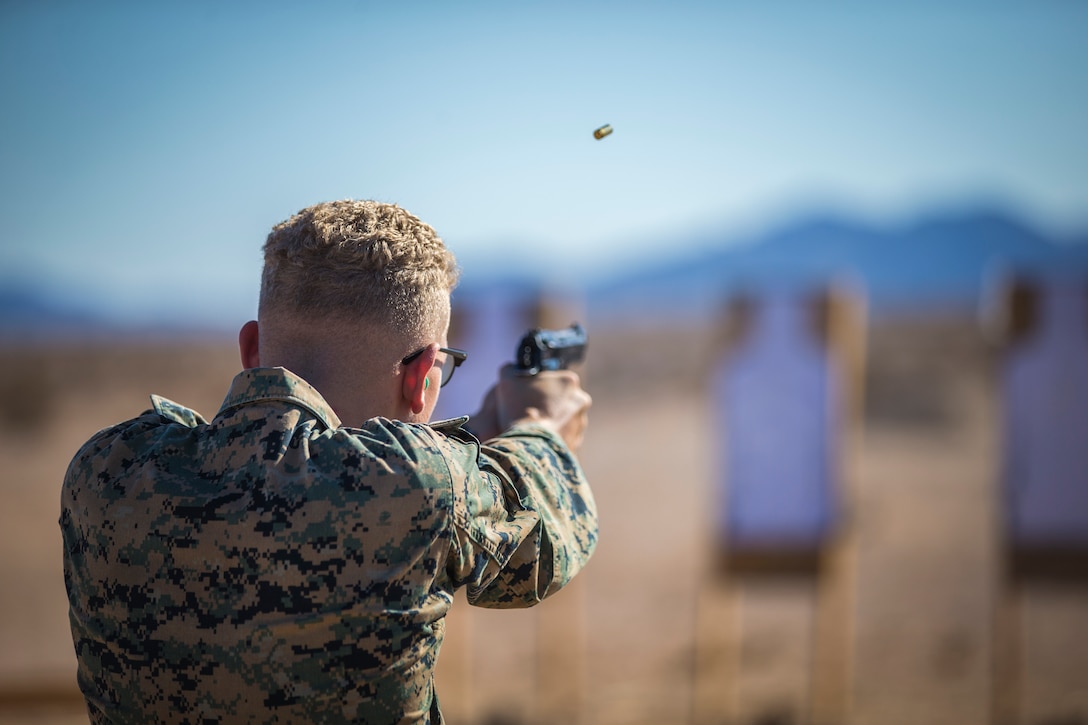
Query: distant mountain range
point(30, 313)
point(26, 311)
point(940, 261)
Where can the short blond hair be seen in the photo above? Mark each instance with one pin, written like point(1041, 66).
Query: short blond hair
point(349, 260)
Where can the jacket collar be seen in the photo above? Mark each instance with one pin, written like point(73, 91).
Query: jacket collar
point(257, 385)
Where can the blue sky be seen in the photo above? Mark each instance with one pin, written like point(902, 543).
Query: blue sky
point(147, 148)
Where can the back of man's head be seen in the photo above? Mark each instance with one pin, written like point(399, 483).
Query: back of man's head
point(346, 261)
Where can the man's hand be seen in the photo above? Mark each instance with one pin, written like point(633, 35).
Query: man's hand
point(552, 398)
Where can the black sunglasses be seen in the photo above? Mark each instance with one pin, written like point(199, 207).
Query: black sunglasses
point(454, 358)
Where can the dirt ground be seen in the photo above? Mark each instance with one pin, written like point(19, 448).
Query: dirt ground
point(910, 620)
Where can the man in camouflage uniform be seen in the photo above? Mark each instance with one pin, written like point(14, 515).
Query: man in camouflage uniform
point(293, 559)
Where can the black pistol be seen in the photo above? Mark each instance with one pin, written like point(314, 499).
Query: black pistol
point(550, 349)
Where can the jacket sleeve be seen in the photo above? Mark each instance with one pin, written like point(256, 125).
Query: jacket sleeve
point(525, 519)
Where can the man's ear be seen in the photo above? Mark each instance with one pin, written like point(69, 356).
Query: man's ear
point(248, 345)
point(415, 382)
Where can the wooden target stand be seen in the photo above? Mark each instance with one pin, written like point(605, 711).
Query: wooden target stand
point(791, 603)
point(1043, 374)
point(536, 658)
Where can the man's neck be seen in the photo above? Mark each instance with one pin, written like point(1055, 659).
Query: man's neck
point(354, 366)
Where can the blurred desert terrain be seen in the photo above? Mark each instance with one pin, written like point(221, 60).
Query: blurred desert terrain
point(912, 621)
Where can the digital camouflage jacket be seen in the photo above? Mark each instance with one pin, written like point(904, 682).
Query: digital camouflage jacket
point(273, 566)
